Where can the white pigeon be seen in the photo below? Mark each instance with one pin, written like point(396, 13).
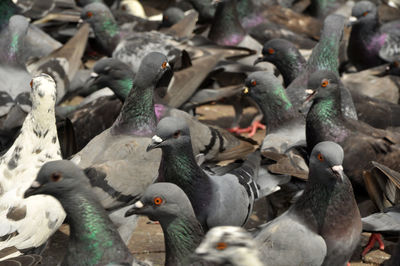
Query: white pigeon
point(28, 222)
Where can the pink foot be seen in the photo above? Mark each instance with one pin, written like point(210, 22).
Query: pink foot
point(371, 242)
point(251, 129)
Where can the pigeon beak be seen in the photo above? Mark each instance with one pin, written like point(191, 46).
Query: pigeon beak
point(215, 2)
point(352, 21)
point(245, 90)
point(135, 209)
point(310, 94)
point(259, 60)
point(33, 189)
point(80, 22)
point(155, 143)
point(338, 172)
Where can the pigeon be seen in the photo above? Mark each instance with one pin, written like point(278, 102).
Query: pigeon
point(28, 223)
point(93, 238)
point(132, 48)
point(361, 142)
point(371, 43)
point(378, 113)
point(325, 218)
point(213, 142)
point(285, 125)
point(116, 161)
point(324, 56)
point(168, 204)
point(229, 244)
point(213, 197)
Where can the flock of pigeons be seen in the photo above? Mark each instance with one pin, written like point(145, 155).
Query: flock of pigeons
point(132, 144)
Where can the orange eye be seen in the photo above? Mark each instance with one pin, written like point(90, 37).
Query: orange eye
point(396, 63)
point(365, 13)
point(31, 83)
point(320, 157)
point(324, 83)
point(253, 83)
point(271, 51)
point(164, 65)
point(89, 14)
point(158, 201)
point(55, 177)
point(221, 246)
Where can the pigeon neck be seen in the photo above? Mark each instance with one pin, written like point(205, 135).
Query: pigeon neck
point(321, 205)
point(276, 107)
point(137, 115)
point(182, 235)
point(247, 15)
point(290, 65)
point(91, 230)
point(325, 55)
point(178, 166)
point(325, 121)
point(226, 28)
point(123, 87)
point(107, 32)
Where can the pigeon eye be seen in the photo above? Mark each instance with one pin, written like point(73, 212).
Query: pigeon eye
point(396, 63)
point(31, 83)
point(253, 83)
point(55, 177)
point(177, 134)
point(221, 246)
point(271, 51)
point(158, 201)
point(324, 83)
point(320, 157)
point(365, 13)
point(89, 14)
point(164, 65)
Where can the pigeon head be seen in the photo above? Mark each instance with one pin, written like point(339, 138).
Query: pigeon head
point(275, 50)
point(103, 24)
point(56, 178)
point(162, 201)
point(112, 73)
point(43, 94)
point(171, 16)
point(170, 132)
point(267, 91)
point(95, 12)
point(363, 11)
point(222, 244)
point(393, 68)
point(152, 68)
point(321, 84)
point(326, 163)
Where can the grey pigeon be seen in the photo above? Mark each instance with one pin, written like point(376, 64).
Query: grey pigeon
point(285, 125)
point(168, 204)
point(212, 142)
point(116, 161)
point(28, 223)
point(93, 238)
point(229, 244)
point(217, 200)
point(362, 143)
point(371, 43)
point(324, 219)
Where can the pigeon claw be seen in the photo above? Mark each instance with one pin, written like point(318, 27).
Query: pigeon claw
point(251, 129)
point(371, 242)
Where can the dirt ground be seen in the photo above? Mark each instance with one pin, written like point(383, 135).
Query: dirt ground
point(147, 242)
